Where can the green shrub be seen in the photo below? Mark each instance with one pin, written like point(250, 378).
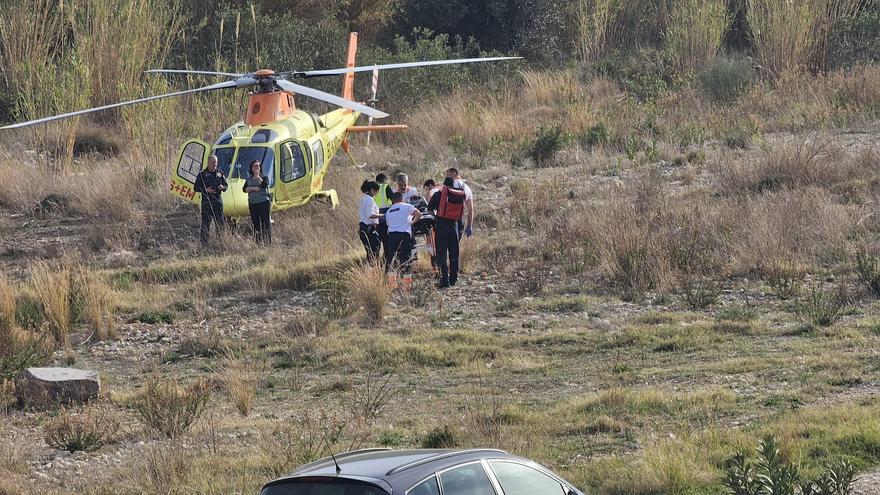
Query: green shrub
point(170, 410)
point(771, 474)
point(821, 307)
point(86, 430)
point(29, 312)
point(868, 268)
point(856, 39)
point(700, 292)
point(441, 437)
point(548, 142)
point(154, 317)
point(598, 135)
point(726, 78)
point(738, 138)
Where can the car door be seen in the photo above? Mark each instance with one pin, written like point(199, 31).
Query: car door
point(466, 479)
point(192, 159)
point(293, 184)
point(516, 478)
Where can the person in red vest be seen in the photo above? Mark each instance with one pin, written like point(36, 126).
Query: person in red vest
point(448, 208)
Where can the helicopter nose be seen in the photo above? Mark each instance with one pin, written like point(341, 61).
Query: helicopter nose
point(235, 201)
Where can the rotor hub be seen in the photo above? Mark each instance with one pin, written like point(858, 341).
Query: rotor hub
point(264, 73)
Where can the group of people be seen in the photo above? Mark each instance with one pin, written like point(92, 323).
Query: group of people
point(387, 216)
point(211, 183)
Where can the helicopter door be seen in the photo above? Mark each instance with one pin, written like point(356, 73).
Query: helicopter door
point(293, 185)
point(193, 158)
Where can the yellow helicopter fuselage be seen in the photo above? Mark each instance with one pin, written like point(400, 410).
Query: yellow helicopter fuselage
point(294, 147)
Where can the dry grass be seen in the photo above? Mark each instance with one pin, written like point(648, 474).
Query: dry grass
point(50, 286)
point(20, 349)
point(370, 291)
point(169, 409)
point(240, 384)
point(7, 303)
point(86, 429)
point(694, 32)
point(98, 303)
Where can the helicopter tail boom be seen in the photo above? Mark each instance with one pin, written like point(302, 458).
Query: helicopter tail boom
point(348, 78)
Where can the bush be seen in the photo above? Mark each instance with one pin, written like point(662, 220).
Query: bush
point(700, 292)
point(20, 349)
point(155, 317)
point(88, 429)
point(170, 410)
point(856, 39)
point(440, 437)
point(784, 279)
point(868, 268)
point(773, 475)
point(548, 142)
point(821, 307)
point(598, 135)
point(726, 78)
point(370, 290)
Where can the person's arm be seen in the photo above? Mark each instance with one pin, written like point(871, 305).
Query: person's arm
point(223, 185)
point(264, 184)
point(416, 215)
point(468, 230)
point(200, 184)
point(434, 203)
point(245, 188)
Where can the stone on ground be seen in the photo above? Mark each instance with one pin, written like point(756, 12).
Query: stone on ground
point(45, 387)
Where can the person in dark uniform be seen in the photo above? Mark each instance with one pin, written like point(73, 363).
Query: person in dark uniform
point(259, 202)
point(211, 183)
point(446, 237)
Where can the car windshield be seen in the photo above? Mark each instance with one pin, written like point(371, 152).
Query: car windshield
point(247, 155)
point(322, 488)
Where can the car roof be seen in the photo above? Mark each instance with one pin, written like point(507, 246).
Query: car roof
point(399, 468)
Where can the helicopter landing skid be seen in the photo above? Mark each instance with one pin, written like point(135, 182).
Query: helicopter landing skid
point(328, 196)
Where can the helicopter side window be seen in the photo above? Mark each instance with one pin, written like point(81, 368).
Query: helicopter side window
point(224, 159)
point(293, 164)
point(225, 138)
point(263, 136)
point(318, 155)
point(247, 155)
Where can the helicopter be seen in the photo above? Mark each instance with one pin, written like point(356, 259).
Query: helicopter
point(294, 146)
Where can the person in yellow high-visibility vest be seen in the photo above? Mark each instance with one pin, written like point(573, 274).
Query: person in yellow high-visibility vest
point(383, 201)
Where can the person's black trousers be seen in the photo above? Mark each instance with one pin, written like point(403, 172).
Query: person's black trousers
point(446, 242)
point(399, 250)
point(260, 219)
point(211, 212)
point(370, 238)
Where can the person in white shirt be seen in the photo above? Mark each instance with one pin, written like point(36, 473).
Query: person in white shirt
point(464, 229)
point(368, 212)
point(430, 188)
point(402, 186)
point(400, 218)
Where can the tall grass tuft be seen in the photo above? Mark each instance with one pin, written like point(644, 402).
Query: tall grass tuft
point(239, 383)
point(45, 70)
point(171, 410)
point(370, 290)
point(98, 303)
point(790, 35)
point(694, 32)
point(594, 19)
point(51, 287)
point(7, 302)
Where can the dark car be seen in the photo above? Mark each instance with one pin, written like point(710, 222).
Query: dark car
point(422, 472)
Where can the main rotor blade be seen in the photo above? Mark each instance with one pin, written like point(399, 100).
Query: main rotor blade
point(199, 72)
point(336, 100)
point(367, 68)
point(227, 84)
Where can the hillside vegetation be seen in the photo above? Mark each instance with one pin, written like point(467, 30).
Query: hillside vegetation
point(675, 254)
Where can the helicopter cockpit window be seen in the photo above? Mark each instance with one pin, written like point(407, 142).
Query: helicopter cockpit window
point(225, 138)
point(263, 136)
point(318, 156)
point(247, 155)
point(224, 159)
point(293, 164)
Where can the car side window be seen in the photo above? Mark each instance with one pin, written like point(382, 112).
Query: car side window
point(517, 479)
point(469, 479)
point(427, 487)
